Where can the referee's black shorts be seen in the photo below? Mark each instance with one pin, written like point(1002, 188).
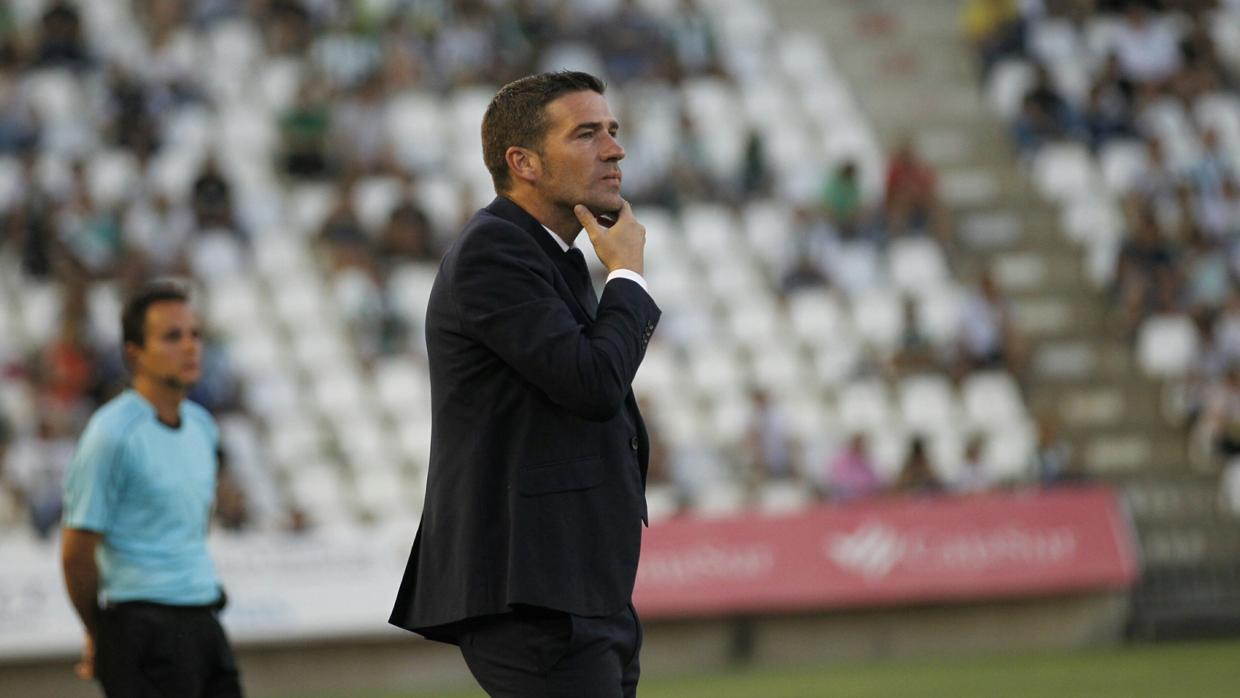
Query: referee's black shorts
point(150, 650)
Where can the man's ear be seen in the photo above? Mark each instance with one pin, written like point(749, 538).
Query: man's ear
point(129, 351)
point(523, 163)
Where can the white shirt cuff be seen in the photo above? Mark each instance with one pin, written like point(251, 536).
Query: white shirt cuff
point(631, 276)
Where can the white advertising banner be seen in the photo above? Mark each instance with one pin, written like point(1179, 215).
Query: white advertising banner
point(280, 587)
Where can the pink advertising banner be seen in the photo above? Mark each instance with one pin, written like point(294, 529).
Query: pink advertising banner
point(888, 551)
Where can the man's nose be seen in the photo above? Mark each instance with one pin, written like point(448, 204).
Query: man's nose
point(612, 150)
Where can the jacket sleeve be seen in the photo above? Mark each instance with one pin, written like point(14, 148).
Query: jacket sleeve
point(503, 285)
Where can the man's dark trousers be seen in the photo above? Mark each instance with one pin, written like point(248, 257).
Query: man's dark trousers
point(552, 654)
point(148, 650)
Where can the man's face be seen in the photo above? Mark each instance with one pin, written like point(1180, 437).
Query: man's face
point(172, 352)
point(580, 155)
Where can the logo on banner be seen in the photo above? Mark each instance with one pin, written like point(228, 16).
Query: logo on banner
point(875, 550)
point(871, 551)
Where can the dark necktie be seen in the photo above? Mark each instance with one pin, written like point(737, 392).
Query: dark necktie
point(580, 280)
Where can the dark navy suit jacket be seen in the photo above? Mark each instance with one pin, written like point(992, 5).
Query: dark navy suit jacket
point(536, 489)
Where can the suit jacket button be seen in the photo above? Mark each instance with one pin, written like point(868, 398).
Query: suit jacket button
point(633, 444)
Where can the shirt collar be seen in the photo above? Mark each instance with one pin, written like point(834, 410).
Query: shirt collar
point(559, 240)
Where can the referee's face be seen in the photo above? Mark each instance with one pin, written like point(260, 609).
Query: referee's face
point(580, 154)
point(172, 351)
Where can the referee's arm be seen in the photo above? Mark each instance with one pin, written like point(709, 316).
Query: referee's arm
point(77, 559)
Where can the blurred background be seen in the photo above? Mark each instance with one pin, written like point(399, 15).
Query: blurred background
point(950, 285)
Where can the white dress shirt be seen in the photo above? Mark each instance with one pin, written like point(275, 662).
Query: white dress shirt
point(617, 274)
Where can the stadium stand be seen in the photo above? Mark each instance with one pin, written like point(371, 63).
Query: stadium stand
point(304, 163)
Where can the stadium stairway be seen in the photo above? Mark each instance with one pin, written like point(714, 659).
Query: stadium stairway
point(915, 76)
point(920, 79)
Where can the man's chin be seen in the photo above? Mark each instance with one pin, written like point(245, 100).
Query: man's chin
point(605, 204)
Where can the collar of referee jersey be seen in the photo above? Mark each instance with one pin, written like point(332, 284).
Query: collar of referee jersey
point(508, 210)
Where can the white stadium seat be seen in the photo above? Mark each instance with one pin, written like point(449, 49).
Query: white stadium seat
point(1167, 345)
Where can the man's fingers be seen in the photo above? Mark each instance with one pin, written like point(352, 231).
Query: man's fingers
point(586, 219)
point(626, 210)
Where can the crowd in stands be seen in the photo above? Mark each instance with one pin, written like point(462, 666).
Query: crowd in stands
point(1160, 75)
point(99, 191)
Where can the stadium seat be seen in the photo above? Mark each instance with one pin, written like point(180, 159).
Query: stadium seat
point(1123, 162)
point(916, 265)
point(836, 360)
point(865, 404)
point(317, 488)
point(1167, 345)
point(879, 319)
point(402, 386)
point(719, 500)
point(992, 400)
point(662, 502)
point(817, 316)
point(938, 314)
point(1009, 82)
point(782, 497)
point(41, 307)
point(217, 256)
point(1063, 171)
point(1008, 452)
point(928, 403)
point(374, 199)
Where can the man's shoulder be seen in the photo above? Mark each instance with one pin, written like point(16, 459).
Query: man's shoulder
point(119, 414)
point(488, 234)
point(114, 422)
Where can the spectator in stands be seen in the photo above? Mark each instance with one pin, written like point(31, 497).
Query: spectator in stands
point(1051, 461)
point(989, 338)
point(996, 30)
point(1219, 426)
point(156, 231)
point(90, 234)
point(231, 509)
point(304, 130)
point(915, 352)
point(851, 473)
point(911, 203)
point(841, 199)
point(916, 475)
point(35, 468)
point(974, 475)
point(65, 368)
point(407, 236)
point(212, 200)
point(60, 42)
point(359, 129)
point(804, 274)
point(1158, 184)
point(755, 175)
point(632, 44)
point(342, 235)
point(1203, 266)
point(1045, 116)
point(1107, 117)
point(1146, 273)
point(693, 39)
point(768, 444)
point(1148, 48)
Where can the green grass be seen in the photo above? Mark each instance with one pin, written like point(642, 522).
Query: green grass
point(1194, 670)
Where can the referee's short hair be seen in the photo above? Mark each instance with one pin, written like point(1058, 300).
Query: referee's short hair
point(133, 316)
point(516, 116)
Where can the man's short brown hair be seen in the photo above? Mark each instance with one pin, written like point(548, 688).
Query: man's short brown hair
point(517, 116)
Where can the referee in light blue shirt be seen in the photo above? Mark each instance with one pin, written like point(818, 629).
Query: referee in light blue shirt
point(138, 500)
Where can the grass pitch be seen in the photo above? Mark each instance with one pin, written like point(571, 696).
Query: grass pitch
point(1190, 670)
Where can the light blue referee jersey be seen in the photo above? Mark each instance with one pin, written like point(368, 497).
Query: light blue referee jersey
point(148, 488)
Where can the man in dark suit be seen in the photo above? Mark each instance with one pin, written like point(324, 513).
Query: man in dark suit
point(527, 551)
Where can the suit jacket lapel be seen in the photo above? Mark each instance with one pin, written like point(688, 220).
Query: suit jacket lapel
point(510, 211)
